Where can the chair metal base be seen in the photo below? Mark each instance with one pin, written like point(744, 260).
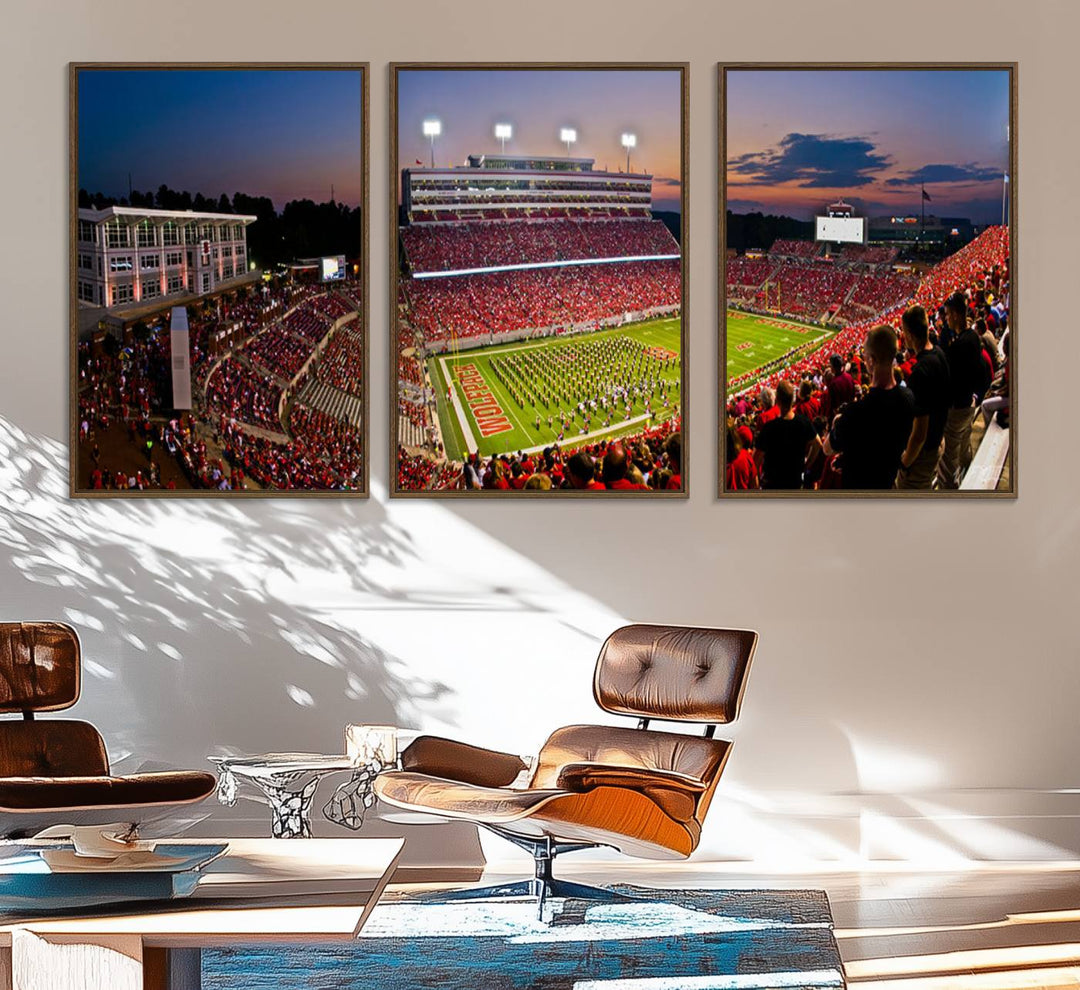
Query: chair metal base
point(534, 889)
point(542, 886)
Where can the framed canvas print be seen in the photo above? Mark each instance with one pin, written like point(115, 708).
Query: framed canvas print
point(218, 279)
point(537, 258)
point(867, 280)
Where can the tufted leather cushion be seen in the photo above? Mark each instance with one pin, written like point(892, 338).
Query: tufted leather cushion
point(39, 666)
point(677, 673)
point(616, 745)
point(51, 748)
point(35, 793)
point(459, 799)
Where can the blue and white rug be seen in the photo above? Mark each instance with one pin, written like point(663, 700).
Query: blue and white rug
point(662, 940)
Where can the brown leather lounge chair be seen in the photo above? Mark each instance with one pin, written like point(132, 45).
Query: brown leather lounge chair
point(643, 792)
point(55, 771)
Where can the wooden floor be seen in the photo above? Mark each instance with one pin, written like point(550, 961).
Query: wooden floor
point(989, 926)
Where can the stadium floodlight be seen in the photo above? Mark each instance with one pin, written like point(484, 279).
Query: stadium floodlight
point(629, 141)
point(568, 136)
point(432, 129)
point(504, 132)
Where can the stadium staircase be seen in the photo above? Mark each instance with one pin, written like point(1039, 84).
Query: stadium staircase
point(847, 298)
point(333, 402)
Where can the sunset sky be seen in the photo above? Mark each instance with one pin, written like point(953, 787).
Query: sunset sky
point(286, 134)
point(599, 104)
point(798, 140)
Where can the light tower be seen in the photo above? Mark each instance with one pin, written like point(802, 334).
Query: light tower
point(629, 141)
point(432, 129)
point(504, 132)
point(568, 136)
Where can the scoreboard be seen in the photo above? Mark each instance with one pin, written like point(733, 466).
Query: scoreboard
point(840, 230)
point(332, 269)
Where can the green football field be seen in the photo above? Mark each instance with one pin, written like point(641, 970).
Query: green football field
point(754, 341)
point(473, 375)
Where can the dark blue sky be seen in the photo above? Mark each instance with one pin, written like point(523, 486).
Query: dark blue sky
point(799, 139)
point(600, 104)
point(286, 134)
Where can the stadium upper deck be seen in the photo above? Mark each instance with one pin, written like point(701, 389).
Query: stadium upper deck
point(501, 213)
point(508, 187)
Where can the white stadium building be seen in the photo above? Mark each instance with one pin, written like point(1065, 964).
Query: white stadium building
point(131, 258)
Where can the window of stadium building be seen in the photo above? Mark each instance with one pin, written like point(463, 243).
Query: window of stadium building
point(120, 263)
point(227, 271)
point(150, 262)
point(123, 293)
point(86, 292)
point(175, 284)
point(151, 288)
point(238, 231)
point(86, 231)
point(146, 234)
point(170, 234)
point(117, 234)
point(206, 232)
point(86, 261)
point(174, 258)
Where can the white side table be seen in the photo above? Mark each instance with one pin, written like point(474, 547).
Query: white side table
point(288, 780)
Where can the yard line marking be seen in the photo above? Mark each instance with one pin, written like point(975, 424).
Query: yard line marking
point(586, 437)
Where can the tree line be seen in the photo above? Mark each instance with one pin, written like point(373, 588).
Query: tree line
point(759, 230)
point(303, 228)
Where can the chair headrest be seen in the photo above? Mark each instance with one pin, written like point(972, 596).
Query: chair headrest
point(39, 666)
point(677, 673)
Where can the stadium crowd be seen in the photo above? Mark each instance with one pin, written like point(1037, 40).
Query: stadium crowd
point(342, 363)
point(498, 302)
point(813, 291)
point(647, 461)
point(240, 392)
point(886, 402)
point(786, 248)
point(133, 386)
point(448, 247)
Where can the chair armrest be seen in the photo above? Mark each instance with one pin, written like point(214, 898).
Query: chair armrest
point(675, 793)
point(453, 760)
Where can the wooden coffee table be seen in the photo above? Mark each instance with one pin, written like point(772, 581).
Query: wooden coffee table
point(261, 890)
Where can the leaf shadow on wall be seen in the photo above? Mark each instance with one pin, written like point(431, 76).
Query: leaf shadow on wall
point(189, 645)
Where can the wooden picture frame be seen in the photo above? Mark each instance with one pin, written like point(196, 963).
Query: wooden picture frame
point(346, 472)
point(396, 256)
point(1007, 489)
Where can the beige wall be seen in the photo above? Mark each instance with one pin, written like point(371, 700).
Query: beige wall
point(917, 661)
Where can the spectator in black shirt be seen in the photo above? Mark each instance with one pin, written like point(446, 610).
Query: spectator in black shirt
point(964, 354)
point(872, 433)
point(929, 384)
point(784, 444)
